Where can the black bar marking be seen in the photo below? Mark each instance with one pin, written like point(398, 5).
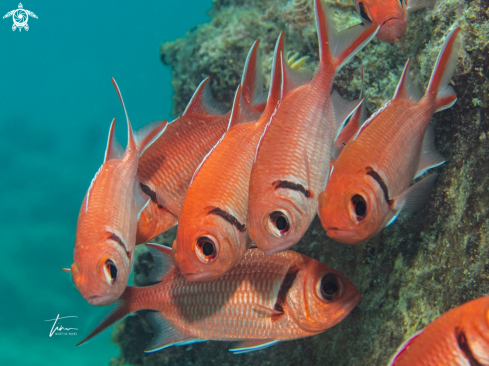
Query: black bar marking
point(465, 348)
point(119, 241)
point(285, 287)
point(294, 186)
point(152, 195)
point(381, 182)
point(228, 217)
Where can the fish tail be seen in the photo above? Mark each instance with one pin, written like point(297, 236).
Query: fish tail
point(120, 310)
point(336, 48)
point(438, 87)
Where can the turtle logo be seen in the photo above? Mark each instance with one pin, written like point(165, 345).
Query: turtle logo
point(20, 17)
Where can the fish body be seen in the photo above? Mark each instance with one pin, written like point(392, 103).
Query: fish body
point(371, 180)
point(106, 228)
point(390, 14)
point(167, 166)
point(212, 234)
point(262, 300)
point(292, 161)
point(458, 337)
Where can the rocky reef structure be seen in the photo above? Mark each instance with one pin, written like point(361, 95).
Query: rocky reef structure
point(417, 268)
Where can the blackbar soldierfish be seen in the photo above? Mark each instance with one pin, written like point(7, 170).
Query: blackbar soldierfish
point(293, 157)
point(261, 301)
point(390, 14)
point(106, 229)
point(371, 180)
point(460, 337)
point(166, 168)
point(212, 234)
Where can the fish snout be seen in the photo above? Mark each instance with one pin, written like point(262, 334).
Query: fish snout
point(392, 30)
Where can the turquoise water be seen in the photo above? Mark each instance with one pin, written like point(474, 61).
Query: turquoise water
point(56, 104)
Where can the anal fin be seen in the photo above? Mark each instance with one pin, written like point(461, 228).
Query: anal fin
point(252, 345)
point(166, 335)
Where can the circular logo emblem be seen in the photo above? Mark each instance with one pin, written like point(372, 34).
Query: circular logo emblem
point(20, 18)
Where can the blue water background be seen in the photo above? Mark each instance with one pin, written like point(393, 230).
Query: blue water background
point(56, 104)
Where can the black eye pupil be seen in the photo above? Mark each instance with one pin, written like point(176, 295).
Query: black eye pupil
point(281, 223)
point(360, 208)
point(112, 269)
point(363, 14)
point(208, 248)
point(329, 286)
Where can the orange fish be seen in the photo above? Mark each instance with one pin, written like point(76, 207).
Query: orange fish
point(261, 301)
point(390, 14)
point(167, 166)
point(292, 161)
point(106, 229)
point(458, 337)
point(371, 180)
point(212, 234)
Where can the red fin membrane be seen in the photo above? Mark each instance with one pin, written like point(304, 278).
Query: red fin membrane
point(241, 111)
point(252, 80)
point(275, 91)
point(430, 158)
point(443, 72)
point(337, 48)
point(202, 102)
point(292, 79)
point(131, 143)
point(114, 150)
point(163, 262)
point(147, 135)
point(406, 89)
point(165, 334)
point(252, 345)
point(342, 110)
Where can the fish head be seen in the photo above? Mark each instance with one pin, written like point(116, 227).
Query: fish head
point(281, 218)
point(101, 272)
point(207, 251)
point(350, 208)
point(320, 297)
point(474, 327)
point(390, 14)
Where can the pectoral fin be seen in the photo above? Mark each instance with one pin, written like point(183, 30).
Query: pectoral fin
point(267, 311)
point(252, 345)
point(430, 158)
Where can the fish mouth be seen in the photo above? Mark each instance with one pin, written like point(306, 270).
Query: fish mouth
point(353, 302)
point(100, 300)
point(390, 20)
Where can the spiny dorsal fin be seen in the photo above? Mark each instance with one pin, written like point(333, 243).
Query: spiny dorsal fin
point(165, 334)
point(275, 91)
point(131, 142)
point(430, 158)
point(147, 135)
point(406, 89)
point(114, 150)
point(336, 48)
point(252, 79)
point(342, 109)
point(202, 102)
point(292, 79)
point(241, 111)
point(163, 261)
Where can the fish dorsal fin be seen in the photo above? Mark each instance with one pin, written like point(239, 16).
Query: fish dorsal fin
point(406, 89)
point(419, 4)
point(251, 345)
point(275, 91)
point(241, 112)
point(165, 334)
point(252, 80)
point(292, 79)
point(430, 158)
point(413, 198)
point(147, 135)
point(114, 150)
point(141, 200)
point(163, 261)
point(342, 109)
point(202, 102)
point(131, 142)
point(336, 48)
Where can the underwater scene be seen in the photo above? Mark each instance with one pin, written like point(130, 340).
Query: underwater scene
point(243, 182)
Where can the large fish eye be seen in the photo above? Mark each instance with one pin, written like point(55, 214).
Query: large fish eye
point(206, 249)
point(110, 271)
point(330, 287)
point(278, 223)
point(363, 13)
point(359, 207)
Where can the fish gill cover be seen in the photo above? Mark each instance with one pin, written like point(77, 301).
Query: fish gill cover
point(412, 271)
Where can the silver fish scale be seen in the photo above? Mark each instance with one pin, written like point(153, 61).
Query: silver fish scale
point(225, 309)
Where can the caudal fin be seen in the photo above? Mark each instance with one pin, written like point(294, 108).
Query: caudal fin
point(438, 88)
point(336, 48)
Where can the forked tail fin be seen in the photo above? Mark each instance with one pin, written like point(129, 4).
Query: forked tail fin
point(442, 73)
point(336, 48)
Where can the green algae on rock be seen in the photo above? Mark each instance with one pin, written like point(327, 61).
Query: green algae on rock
point(417, 268)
